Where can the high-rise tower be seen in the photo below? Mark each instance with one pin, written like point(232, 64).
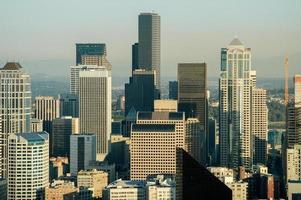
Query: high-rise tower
point(95, 86)
point(192, 98)
point(235, 87)
point(149, 44)
point(28, 160)
point(15, 106)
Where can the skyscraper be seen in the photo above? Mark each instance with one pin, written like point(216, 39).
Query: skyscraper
point(15, 106)
point(69, 105)
point(82, 151)
point(243, 111)
point(47, 108)
point(192, 95)
point(293, 135)
point(154, 139)
point(96, 107)
point(74, 76)
point(140, 92)
point(195, 143)
point(173, 90)
point(259, 126)
point(135, 49)
point(192, 80)
point(28, 160)
point(62, 129)
point(89, 49)
point(149, 44)
point(235, 86)
point(293, 129)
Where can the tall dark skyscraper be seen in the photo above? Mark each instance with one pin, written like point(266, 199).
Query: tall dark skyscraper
point(140, 92)
point(135, 49)
point(192, 95)
point(89, 49)
point(173, 90)
point(149, 44)
point(192, 80)
point(62, 128)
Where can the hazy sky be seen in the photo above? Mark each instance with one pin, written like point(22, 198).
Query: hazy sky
point(41, 34)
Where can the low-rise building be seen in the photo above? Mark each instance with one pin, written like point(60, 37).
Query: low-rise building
point(61, 190)
point(161, 188)
point(239, 190)
point(58, 167)
point(157, 187)
point(94, 180)
point(293, 190)
point(221, 172)
point(125, 189)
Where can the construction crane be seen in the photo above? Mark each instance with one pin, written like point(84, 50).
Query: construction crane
point(286, 81)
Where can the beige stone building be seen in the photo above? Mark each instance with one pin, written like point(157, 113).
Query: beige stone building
point(154, 139)
point(61, 190)
point(94, 180)
point(259, 125)
point(239, 190)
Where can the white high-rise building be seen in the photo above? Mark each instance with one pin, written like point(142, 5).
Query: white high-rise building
point(95, 97)
point(74, 76)
point(236, 85)
point(15, 106)
point(28, 161)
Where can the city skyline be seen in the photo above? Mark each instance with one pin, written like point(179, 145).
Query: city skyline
point(53, 43)
point(239, 140)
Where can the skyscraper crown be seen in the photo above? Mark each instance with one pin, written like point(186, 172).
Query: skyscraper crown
point(12, 66)
point(236, 42)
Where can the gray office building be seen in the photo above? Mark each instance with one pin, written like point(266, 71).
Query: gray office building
point(82, 151)
point(149, 44)
point(69, 105)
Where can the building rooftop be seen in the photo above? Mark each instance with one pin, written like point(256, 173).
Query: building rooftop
point(12, 66)
point(236, 42)
point(91, 172)
point(153, 128)
point(126, 184)
point(160, 116)
point(34, 137)
point(162, 181)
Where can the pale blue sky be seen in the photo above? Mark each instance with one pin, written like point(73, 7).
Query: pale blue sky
point(41, 33)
